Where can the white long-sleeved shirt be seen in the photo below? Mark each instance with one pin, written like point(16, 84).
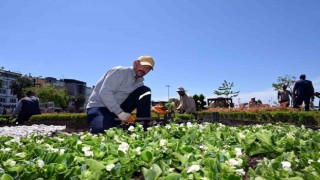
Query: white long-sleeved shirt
point(187, 103)
point(113, 88)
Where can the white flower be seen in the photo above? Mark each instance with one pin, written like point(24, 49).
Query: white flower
point(242, 136)
point(83, 136)
point(11, 162)
point(138, 150)
point(233, 162)
point(286, 165)
point(61, 151)
point(109, 167)
point(54, 150)
point(290, 135)
point(40, 163)
point(123, 147)
point(133, 136)
point(60, 139)
point(149, 128)
point(302, 126)
point(240, 172)
point(79, 142)
point(204, 147)
point(88, 153)
point(318, 161)
point(168, 126)
point(5, 150)
point(39, 141)
point(163, 142)
point(22, 154)
point(131, 128)
point(193, 168)
point(86, 148)
point(116, 138)
point(238, 152)
point(189, 125)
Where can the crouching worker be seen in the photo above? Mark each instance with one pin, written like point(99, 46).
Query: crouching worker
point(187, 104)
point(118, 92)
point(26, 107)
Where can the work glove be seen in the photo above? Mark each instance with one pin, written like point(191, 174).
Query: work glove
point(123, 116)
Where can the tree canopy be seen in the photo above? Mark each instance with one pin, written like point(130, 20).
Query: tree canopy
point(287, 80)
point(225, 90)
point(17, 86)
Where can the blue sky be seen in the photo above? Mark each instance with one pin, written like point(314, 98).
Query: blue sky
point(195, 44)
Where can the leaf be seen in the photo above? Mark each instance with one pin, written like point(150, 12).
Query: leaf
point(173, 176)
point(50, 158)
point(94, 165)
point(60, 168)
point(292, 178)
point(153, 173)
point(38, 151)
point(181, 158)
point(146, 156)
point(6, 177)
point(65, 158)
point(264, 137)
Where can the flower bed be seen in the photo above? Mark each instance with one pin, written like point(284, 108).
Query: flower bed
point(174, 151)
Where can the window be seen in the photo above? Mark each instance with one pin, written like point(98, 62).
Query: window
point(2, 91)
point(3, 100)
point(13, 100)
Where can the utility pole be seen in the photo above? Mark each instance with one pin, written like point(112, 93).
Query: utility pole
point(168, 86)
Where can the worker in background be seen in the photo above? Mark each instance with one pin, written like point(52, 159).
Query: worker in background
point(26, 107)
point(253, 103)
point(302, 92)
point(187, 104)
point(118, 92)
point(284, 96)
point(3, 110)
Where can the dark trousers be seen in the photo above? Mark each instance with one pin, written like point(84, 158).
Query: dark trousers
point(22, 117)
point(306, 100)
point(101, 119)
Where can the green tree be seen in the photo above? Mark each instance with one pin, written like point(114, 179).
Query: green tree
point(200, 102)
point(287, 80)
point(78, 101)
point(56, 94)
point(225, 90)
point(17, 86)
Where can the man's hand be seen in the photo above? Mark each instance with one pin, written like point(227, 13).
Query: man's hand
point(123, 116)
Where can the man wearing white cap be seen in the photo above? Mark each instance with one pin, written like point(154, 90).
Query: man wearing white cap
point(187, 104)
point(118, 93)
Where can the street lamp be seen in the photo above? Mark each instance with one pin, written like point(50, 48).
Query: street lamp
point(168, 86)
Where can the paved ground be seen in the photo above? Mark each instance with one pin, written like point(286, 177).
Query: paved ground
point(23, 131)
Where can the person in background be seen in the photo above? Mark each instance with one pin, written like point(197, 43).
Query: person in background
point(302, 92)
point(26, 107)
point(3, 110)
point(187, 104)
point(253, 103)
point(284, 96)
point(117, 93)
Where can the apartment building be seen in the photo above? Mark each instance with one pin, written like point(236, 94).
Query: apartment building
point(6, 98)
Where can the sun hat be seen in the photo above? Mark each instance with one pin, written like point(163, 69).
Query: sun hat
point(180, 89)
point(146, 60)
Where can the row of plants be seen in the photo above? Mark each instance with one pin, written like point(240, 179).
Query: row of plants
point(308, 118)
point(171, 152)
